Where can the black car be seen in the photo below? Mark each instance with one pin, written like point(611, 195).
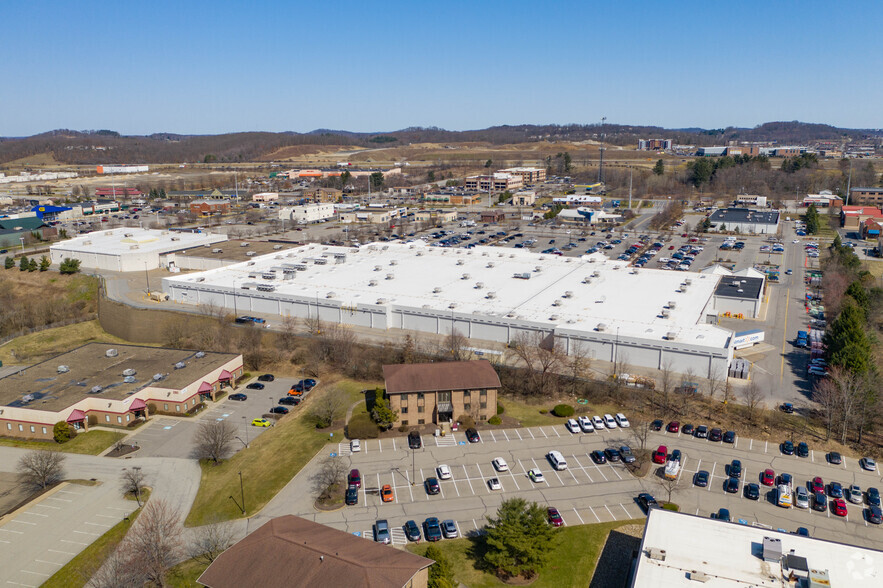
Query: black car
point(309, 382)
point(305, 385)
point(432, 529)
point(730, 437)
point(266, 378)
point(675, 455)
point(687, 429)
point(279, 410)
point(412, 531)
point(701, 479)
point(598, 456)
point(647, 501)
point(835, 458)
point(238, 396)
point(432, 486)
point(752, 491)
point(472, 435)
point(290, 400)
point(731, 485)
point(414, 441)
point(788, 408)
point(701, 432)
point(656, 425)
point(802, 449)
point(788, 448)
point(255, 386)
point(735, 469)
point(352, 495)
point(875, 515)
point(820, 502)
point(715, 435)
point(612, 454)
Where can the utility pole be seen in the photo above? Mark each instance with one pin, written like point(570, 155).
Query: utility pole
point(630, 187)
point(848, 182)
point(601, 157)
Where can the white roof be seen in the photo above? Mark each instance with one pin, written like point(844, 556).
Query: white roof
point(481, 281)
point(136, 240)
point(730, 555)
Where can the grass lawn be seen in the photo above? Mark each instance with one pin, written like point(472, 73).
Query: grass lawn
point(528, 413)
point(267, 465)
point(78, 570)
point(184, 574)
point(572, 561)
point(90, 443)
point(44, 344)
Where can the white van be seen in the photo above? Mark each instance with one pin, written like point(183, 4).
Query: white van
point(557, 460)
point(784, 498)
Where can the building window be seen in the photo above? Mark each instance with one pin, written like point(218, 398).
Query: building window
point(177, 408)
point(419, 409)
point(21, 428)
point(421, 422)
point(419, 395)
point(467, 395)
point(128, 417)
point(32, 429)
point(120, 420)
point(467, 407)
point(404, 410)
point(484, 393)
point(44, 430)
point(8, 426)
point(444, 396)
point(405, 423)
point(165, 406)
point(483, 405)
point(107, 418)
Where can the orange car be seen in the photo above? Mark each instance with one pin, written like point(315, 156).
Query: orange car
point(386, 493)
point(294, 392)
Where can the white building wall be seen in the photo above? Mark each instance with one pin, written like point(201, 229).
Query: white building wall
point(309, 213)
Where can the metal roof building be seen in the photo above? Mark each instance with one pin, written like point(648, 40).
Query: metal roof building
point(744, 220)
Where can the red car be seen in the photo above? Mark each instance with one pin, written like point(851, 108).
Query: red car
point(555, 517)
point(660, 454)
point(355, 479)
point(768, 477)
point(817, 485)
point(839, 507)
point(673, 427)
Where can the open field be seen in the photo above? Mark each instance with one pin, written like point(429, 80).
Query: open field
point(268, 464)
point(89, 443)
point(42, 345)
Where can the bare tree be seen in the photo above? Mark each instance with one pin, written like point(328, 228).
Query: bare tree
point(640, 432)
point(213, 439)
point(41, 468)
point(714, 382)
point(175, 332)
point(666, 384)
point(313, 324)
point(117, 570)
point(453, 347)
point(328, 406)
point(288, 334)
point(753, 395)
point(668, 486)
point(210, 541)
point(541, 359)
point(133, 482)
point(330, 474)
point(155, 539)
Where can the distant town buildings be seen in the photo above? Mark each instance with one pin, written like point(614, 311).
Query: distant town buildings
point(654, 144)
point(209, 207)
point(498, 182)
point(851, 216)
point(823, 199)
point(529, 175)
point(308, 213)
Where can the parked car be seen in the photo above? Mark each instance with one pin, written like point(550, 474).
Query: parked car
point(660, 454)
point(609, 421)
point(239, 396)
point(875, 515)
point(352, 495)
point(701, 479)
point(432, 529)
point(788, 448)
point(432, 486)
point(412, 531)
point(730, 437)
point(731, 485)
point(673, 427)
point(472, 435)
point(554, 517)
point(386, 494)
point(494, 484)
point(354, 479)
point(612, 454)
point(715, 435)
point(647, 501)
point(266, 378)
point(622, 421)
point(290, 401)
point(414, 440)
point(734, 470)
point(687, 429)
point(656, 425)
point(626, 452)
point(255, 386)
point(585, 423)
point(752, 491)
point(444, 472)
point(868, 463)
point(598, 422)
point(873, 496)
point(701, 432)
point(838, 506)
point(261, 423)
point(835, 490)
point(722, 514)
point(449, 528)
point(834, 458)
point(802, 449)
point(500, 464)
point(573, 426)
point(854, 494)
point(279, 410)
point(768, 477)
point(598, 456)
point(801, 497)
point(817, 485)
point(536, 475)
point(381, 531)
point(819, 501)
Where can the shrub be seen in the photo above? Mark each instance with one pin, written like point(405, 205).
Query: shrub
point(495, 420)
point(69, 266)
point(500, 408)
point(62, 432)
point(403, 428)
point(362, 427)
point(671, 506)
point(466, 421)
point(563, 410)
point(544, 411)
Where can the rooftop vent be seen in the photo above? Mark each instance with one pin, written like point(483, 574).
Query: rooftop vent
point(250, 253)
point(111, 353)
point(554, 317)
point(128, 235)
point(372, 282)
point(390, 276)
point(95, 389)
point(465, 277)
point(158, 377)
point(556, 303)
point(672, 304)
point(538, 268)
point(510, 314)
point(491, 295)
point(382, 301)
point(656, 553)
point(129, 372)
point(568, 294)
point(129, 380)
point(596, 274)
point(587, 280)
point(665, 313)
point(243, 244)
point(180, 365)
point(277, 247)
point(436, 290)
point(63, 369)
point(601, 327)
point(698, 576)
point(452, 305)
point(393, 262)
point(459, 262)
point(330, 294)
point(524, 276)
point(217, 250)
point(479, 285)
point(490, 264)
point(671, 336)
point(772, 549)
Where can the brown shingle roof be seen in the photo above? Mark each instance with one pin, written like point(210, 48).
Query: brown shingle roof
point(291, 551)
point(444, 375)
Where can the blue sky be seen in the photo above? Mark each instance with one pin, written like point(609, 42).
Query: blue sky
point(193, 66)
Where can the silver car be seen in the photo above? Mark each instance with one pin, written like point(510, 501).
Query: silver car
point(868, 464)
point(801, 497)
point(855, 494)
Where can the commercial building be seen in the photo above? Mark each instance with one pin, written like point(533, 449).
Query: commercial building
point(685, 550)
point(12, 231)
point(654, 144)
point(866, 197)
point(851, 217)
point(111, 385)
point(869, 228)
point(308, 213)
point(265, 197)
point(744, 220)
point(524, 198)
point(128, 249)
point(442, 392)
point(750, 200)
point(374, 216)
point(438, 217)
point(588, 215)
point(579, 199)
point(207, 207)
point(290, 551)
point(497, 182)
point(823, 199)
point(122, 169)
point(738, 295)
point(608, 310)
point(492, 216)
point(529, 175)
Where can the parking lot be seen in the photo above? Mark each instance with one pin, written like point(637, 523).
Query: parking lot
point(585, 492)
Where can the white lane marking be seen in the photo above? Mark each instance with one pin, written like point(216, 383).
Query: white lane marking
point(86, 533)
point(410, 485)
point(48, 506)
point(517, 487)
point(22, 522)
point(626, 511)
point(505, 435)
point(74, 542)
point(610, 511)
point(492, 436)
point(379, 446)
point(556, 431)
point(64, 552)
point(519, 435)
point(98, 525)
point(531, 434)
point(466, 472)
point(582, 467)
point(711, 476)
point(581, 521)
point(35, 573)
point(592, 510)
point(393, 444)
point(456, 524)
point(36, 514)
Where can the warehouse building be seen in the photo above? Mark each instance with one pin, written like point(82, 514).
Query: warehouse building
point(128, 249)
point(681, 549)
point(112, 386)
point(744, 220)
point(307, 213)
point(609, 311)
point(738, 295)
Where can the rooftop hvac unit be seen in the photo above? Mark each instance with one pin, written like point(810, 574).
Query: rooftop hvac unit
point(568, 294)
point(250, 253)
point(459, 262)
point(524, 276)
point(587, 280)
point(158, 377)
point(128, 235)
point(250, 263)
point(538, 269)
point(243, 244)
point(491, 295)
point(436, 290)
point(87, 242)
point(129, 380)
point(111, 353)
point(390, 276)
point(63, 369)
point(330, 294)
point(382, 301)
point(490, 264)
point(269, 275)
point(320, 261)
point(217, 250)
point(736, 283)
point(252, 275)
point(200, 354)
point(95, 389)
point(266, 288)
point(479, 285)
point(180, 365)
point(596, 274)
point(393, 262)
point(671, 336)
point(601, 327)
point(465, 277)
point(556, 303)
point(656, 553)
point(372, 282)
point(129, 372)
point(176, 238)
point(554, 317)
point(377, 268)
point(672, 304)
point(277, 247)
point(419, 254)
point(665, 313)
point(452, 305)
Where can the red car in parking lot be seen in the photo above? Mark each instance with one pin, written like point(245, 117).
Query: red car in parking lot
point(555, 517)
point(768, 477)
point(839, 507)
point(817, 485)
point(673, 427)
point(660, 454)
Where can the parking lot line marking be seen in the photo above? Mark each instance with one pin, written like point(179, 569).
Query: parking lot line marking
point(615, 472)
point(736, 443)
point(582, 467)
point(531, 433)
point(812, 455)
point(517, 487)
point(505, 435)
point(468, 480)
point(625, 510)
point(59, 499)
point(11, 531)
point(556, 431)
point(592, 510)
point(680, 471)
point(86, 533)
point(59, 551)
point(750, 443)
point(36, 514)
point(35, 573)
point(97, 524)
point(765, 444)
point(610, 511)
point(581, 521)
point(47, 506)
point(69, 492)
point(22, 522)
point(48, 562)
point(408, 478)
point(393, 444)
point(492, 436)
point(2, 541)
point(519, 435)
point(456, 524)
point(20, 584)
point(74, 542)
point(602, 473)
point(572, 475)
point(711, 477)
point(125, 510)
point(380, 446)
point(478, 467)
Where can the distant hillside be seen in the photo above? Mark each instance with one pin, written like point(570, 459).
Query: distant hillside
point(106, 146)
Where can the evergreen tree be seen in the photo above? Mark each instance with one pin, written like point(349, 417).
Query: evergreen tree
point(848, 345)
point(69, 266)
point(44, 263)
point(659, 168)
point(23, 264)
point(519, 540)
point(441, 574)
point(32, 265)
point(9, 263)
point(382, 414)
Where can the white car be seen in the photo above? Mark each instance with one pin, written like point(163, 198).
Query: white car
point(609, 421)
point(355, 446)
point(622, 421)
point(586, 424)
point(598, 422)
point(868, 463)
point(494, 484)
point(444, 472)
point(500, 464)
point(573, 426)
point(854, 494)
point(536, 475)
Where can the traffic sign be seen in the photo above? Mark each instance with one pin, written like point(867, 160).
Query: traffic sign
point(333, 454)
point(462, 442)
